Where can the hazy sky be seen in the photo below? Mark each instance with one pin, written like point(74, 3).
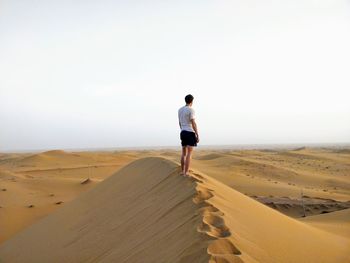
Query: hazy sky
point(79, 74)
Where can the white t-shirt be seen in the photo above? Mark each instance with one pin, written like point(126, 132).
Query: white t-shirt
point(186, 114)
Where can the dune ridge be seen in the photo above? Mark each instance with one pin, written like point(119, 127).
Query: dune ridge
point(143, 213)
point(146, 212)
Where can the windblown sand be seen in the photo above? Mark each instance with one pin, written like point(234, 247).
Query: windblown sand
point(133, 206)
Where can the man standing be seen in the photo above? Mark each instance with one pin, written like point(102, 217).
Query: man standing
point(189, 133)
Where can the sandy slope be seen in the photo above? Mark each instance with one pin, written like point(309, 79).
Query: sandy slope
point(336, 222)
point(146, 212)
point(37, 184)
point(262, 234)
point(279, 177)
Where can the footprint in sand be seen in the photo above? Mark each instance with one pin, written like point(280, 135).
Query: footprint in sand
point(202, 195)
point(217, 226)
point(223, 251)
point(222, 247)
point(194, 179)
point(213, 225)
point(198, 177)
point(209, 209)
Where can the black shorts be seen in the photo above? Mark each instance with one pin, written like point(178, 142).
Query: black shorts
point(188, 138)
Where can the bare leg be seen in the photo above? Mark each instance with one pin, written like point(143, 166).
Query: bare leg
point(188, 159)
point(183, 158)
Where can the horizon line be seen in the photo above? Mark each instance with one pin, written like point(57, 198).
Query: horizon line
point(247, 146)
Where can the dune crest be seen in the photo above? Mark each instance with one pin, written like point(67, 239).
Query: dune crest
point(143, 213)
point(146, 212)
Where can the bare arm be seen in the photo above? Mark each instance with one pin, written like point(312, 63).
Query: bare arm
point(194, 125)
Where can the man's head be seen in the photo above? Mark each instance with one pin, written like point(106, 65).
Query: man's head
point(189, 99)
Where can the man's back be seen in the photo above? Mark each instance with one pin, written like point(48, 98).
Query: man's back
point(186, 114)
point(189, 134)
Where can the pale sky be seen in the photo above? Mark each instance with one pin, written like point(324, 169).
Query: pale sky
point(85, 74)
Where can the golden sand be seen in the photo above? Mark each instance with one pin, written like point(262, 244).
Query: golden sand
point(133, 206)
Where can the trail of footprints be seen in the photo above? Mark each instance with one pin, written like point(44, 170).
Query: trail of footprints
point(221, 249)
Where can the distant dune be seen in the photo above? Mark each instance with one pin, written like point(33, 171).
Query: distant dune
point(146, 212)
point(54, 158)
point(34, 185)
point(7, 175)
point(210, 156)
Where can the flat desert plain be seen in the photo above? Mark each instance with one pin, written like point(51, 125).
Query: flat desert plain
point(272, 205)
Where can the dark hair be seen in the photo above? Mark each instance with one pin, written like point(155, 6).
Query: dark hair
point(189, 98)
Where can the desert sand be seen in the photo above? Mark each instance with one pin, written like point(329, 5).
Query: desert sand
point(133, 206)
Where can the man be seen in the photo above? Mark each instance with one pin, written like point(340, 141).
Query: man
point(189, 133)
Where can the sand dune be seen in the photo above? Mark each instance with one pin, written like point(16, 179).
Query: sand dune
point(54, 158)
point(146, 212)
point(262, 234)
point(143, 213)
point(210, 156)
point(336, 222)
point(37, 184)
point(277, 176)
